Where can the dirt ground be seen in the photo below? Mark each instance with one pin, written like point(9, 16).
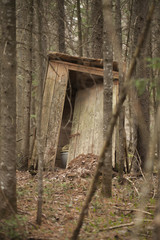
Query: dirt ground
point(64, 194)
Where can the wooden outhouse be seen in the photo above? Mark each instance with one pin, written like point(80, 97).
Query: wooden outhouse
point(72, 111)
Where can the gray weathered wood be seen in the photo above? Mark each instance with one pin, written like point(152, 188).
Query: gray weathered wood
point(87, 125)
point(60, 79)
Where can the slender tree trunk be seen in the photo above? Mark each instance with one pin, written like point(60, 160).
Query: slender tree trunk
point(128, 55)
point(40, 145)
point(0, 65)
point(142, 73)
point(156, 29)
point(79, 28)
point(27, 88)
point(156, 232)
point(86, 32)
point(8, 203)
point(97, 33)
point(107, 102)
point(118, 53)
point(20, 23)
point(61, 25)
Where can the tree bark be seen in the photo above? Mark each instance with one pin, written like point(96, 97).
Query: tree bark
point(40, 145)
point(61, 25)
point(23, 164)
point(20, 23)
point(86, 32)
point(8, 110)
point(79, 28)
point(107, 98)
point(118, 54)
point(140, 11)
point(97, 25)
point(0, 64)
point(156, 231)
point(156, 29)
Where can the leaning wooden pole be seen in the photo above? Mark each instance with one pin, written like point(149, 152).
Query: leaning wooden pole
point(113, 121)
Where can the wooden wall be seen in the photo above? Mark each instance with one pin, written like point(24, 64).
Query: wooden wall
point(87, 124)
point(86, 134)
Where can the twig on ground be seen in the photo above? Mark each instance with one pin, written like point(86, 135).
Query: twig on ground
point(118, 226)
point(139, 164)
point(20, 211)
point(133, 210)
point(151, 207)
point(122, 225)
point(132, 185)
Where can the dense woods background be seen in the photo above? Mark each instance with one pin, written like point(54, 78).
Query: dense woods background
point(87, 28)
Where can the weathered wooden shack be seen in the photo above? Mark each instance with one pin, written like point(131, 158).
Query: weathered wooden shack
point(72, 111)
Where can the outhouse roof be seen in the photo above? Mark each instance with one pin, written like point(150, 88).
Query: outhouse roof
point(90, 62)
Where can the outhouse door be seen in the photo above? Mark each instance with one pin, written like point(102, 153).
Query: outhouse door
point(52, 110)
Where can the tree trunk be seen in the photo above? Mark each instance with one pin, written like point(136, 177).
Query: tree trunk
point(79, 28)
point(142, 73)
point(107, 102)
point(61, 25)
point(86, 32)
point(156, 231)
point(8, 111)
point(40, 145)
point(118, 55)
point(20, 23)
point(156, 29)
point(97, 32)
point(0, 66)
point(23, 165)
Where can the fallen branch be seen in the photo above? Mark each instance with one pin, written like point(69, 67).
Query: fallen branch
point(121, 226)
point(118, 226)
point(133, 210)
point(139, 164)
point(112, 123)
point(133, 185)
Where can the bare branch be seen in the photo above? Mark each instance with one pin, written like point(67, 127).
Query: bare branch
point(112, 123)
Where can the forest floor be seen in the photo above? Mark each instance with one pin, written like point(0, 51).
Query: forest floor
point(64, 194)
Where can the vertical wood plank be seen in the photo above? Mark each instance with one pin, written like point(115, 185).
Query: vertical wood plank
point(88, 122)
point(98, 125)
point(46, 107)
point(74, 138)
point(55, 115)
point(47, 97)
